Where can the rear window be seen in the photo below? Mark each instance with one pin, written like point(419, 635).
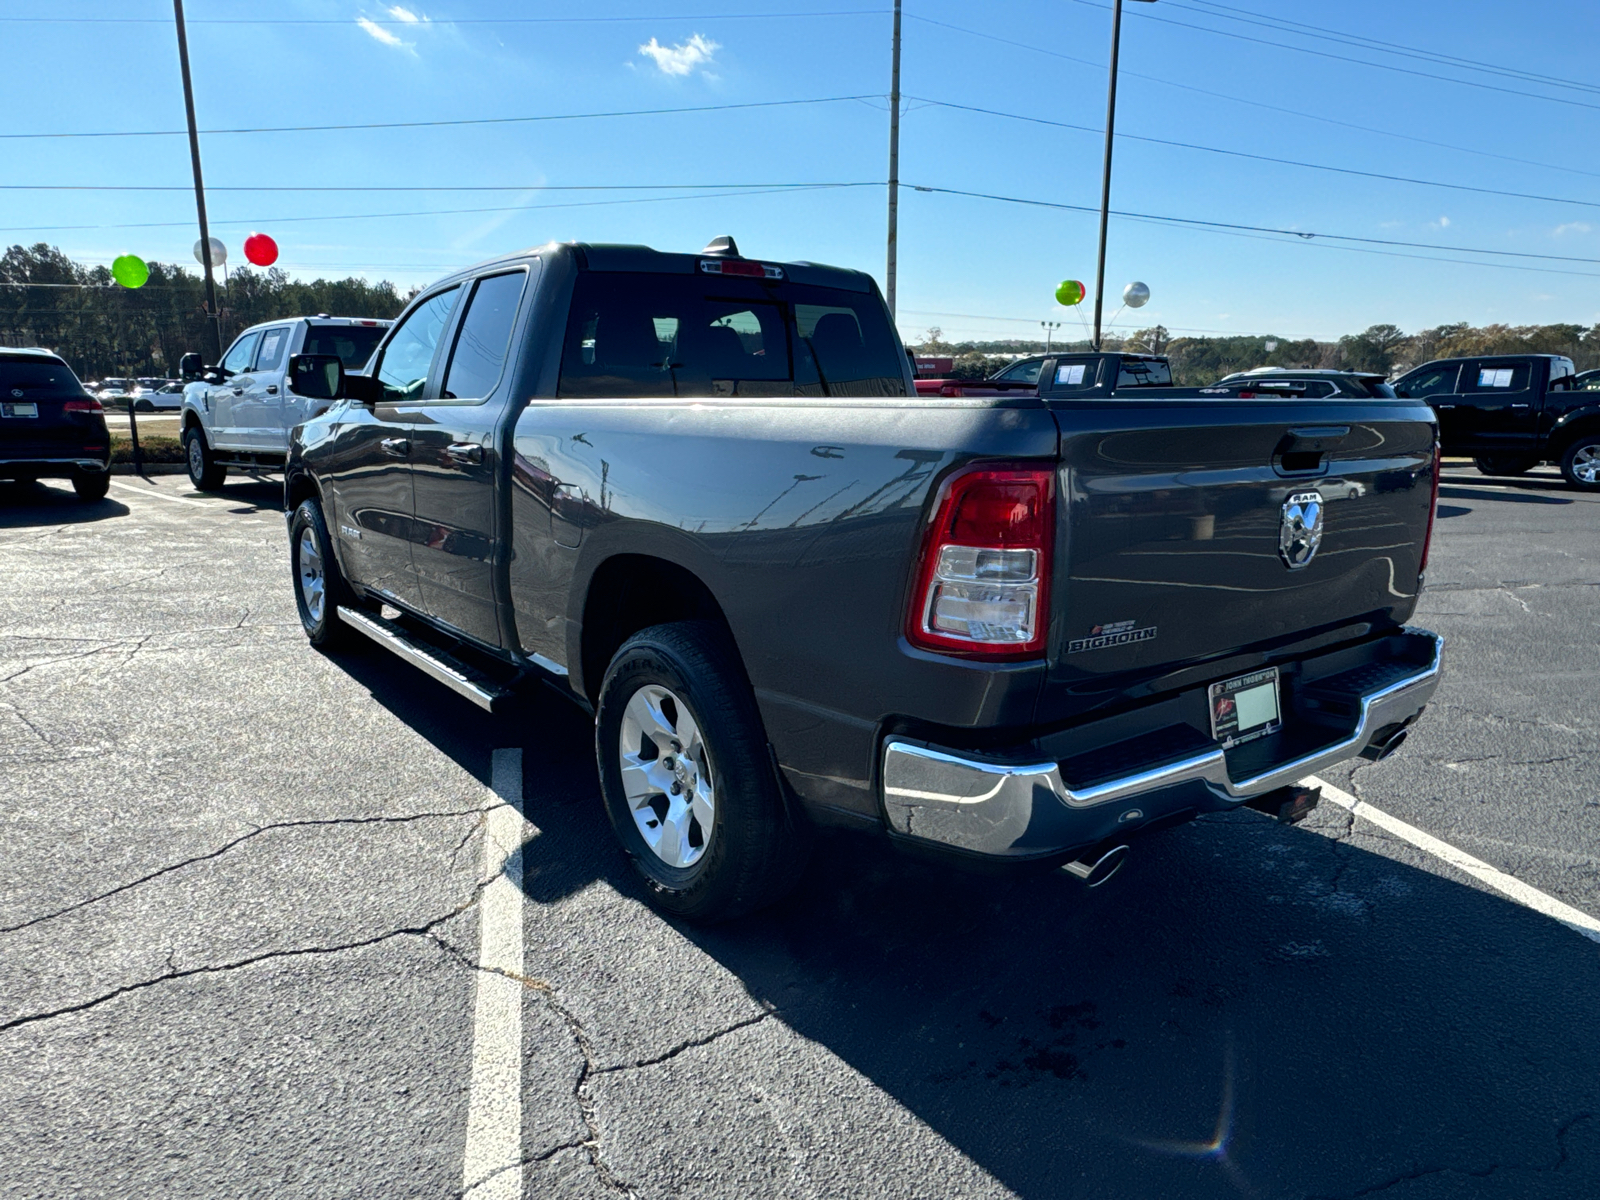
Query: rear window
point(353, 344)
point(37, 379)
point(690, 335)
point(1144, 372)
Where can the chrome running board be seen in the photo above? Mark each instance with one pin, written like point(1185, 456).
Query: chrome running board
point(458, 677)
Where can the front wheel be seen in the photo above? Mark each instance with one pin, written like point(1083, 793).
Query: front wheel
point(1505, 464)
point(686, 777)
point(144, 406)
point(91, 485)
point(204, 471)
point(1580, 465)
point(319, 586)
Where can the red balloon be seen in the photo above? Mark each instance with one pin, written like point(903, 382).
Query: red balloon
point(261, 250)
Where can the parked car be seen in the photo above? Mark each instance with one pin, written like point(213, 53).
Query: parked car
point(116, 388)
point(50, 428)
point(1511, 412)
point(239, 413)
point(166, 398)
point(1313, 383)
point(699, 494)
point(1586, 381)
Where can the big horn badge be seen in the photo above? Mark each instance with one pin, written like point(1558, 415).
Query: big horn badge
point(1301, 531)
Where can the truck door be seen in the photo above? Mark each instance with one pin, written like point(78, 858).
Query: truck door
point(1497, 404)
point(222, 401)
point(258, 412)
point(369, 470)
point(454, 463)
point(1436, 383)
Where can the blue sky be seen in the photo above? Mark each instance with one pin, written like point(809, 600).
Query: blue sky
point(978, 268)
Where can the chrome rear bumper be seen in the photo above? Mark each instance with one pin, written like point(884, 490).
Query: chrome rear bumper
point(1022, 810)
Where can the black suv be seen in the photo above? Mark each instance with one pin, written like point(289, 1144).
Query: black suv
point(1511, 412)
point(50, 428)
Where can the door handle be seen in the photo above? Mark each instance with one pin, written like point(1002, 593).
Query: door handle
point(396, 447)
point(238, 391)
point(464, 452)
point(272, 389)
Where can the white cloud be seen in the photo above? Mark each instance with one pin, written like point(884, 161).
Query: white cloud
point(406, 15)
point(1574, 227)
point(1441, 223)
point(379, 33)
point(683, 58)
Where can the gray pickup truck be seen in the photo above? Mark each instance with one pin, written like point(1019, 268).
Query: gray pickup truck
point(700, 495)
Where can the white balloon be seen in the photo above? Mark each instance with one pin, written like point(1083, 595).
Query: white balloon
point(1136, 295)
point(219, 252)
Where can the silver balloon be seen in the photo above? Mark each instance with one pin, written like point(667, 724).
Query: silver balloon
point(219, 252)
point(1136, 295)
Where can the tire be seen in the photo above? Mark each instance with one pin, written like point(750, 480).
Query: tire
point(204, 471)
point(1505, 464)
point(319, 585)
point(682, 686)
point(1580, 464)
point(144, 406)
point(91, 486)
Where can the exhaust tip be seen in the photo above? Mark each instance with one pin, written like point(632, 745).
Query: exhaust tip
point(1095, 871)
point(1386, 744)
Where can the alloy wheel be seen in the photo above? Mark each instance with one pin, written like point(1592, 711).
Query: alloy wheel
point(313, 578)
point(1586, 464)
point(667, 776)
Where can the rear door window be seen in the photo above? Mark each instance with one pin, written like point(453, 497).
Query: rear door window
point(1491, 376)
point(484, 338)
point(274, 342)
point(1144, 372)
point(1073, 374)
point(643, 335)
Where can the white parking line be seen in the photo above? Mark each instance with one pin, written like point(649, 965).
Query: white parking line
point(1508, 885)
point(490, 1169)
point(153, 494)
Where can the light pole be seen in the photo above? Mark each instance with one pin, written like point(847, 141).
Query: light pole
point(1049, 328)
point(893, 264)
point(199, 186)
point(1105, 178)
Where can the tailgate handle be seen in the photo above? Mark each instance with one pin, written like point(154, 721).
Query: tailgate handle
point(1314, 437)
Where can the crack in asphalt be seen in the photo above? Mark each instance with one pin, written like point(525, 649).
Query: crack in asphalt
point(232, 844)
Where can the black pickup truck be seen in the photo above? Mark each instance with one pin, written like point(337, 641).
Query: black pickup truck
point(699, 494)
point(1509, 413)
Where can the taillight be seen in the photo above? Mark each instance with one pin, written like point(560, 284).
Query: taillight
point(1433, 505)
point(983, 580)
point(83, 406)
point(740, 266)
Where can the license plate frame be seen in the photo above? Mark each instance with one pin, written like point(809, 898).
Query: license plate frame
point(1244, 697)
point(25, 409)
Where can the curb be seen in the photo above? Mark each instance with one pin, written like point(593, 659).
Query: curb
point(150, 469)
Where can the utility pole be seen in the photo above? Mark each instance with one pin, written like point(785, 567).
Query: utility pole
point(894, 162)
point(199, 187)
point(1105, 177)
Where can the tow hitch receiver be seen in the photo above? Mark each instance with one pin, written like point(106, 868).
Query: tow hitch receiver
point(1290, 805)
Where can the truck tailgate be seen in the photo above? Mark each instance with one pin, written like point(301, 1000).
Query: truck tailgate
point(1186, 524)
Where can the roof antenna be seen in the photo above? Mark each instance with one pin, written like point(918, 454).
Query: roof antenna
point(722, 246)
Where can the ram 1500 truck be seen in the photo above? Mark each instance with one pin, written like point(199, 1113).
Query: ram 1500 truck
point(239, 412)
point(1511, 412)
point(700, 495)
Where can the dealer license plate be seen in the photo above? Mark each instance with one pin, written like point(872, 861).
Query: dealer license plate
point(10, 409)
point(1245, 708)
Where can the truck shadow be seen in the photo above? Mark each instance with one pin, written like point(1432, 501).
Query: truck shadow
point(1248, 1009)
point(29, 505)
point(1456, 492)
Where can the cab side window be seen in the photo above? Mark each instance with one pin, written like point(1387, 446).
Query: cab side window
point(403, 370)
point(273, 343)
point(1022, 372)
point(484, 339)
point(240, 353)
point(1430, 381)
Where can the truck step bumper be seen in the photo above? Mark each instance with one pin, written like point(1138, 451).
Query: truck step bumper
point(456, 676)
point(1026, 810)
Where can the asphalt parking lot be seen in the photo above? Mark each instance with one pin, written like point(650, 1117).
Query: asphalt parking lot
point(254, 941)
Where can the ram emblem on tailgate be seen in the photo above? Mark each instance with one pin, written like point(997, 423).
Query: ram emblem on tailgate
point(1301, 531)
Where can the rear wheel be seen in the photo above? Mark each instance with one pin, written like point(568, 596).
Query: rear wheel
point(144, 406)
point(686, 777)
point(91, 486)
point(204, 471)
point(319, 586)
point(1505, 464)
point(1580, 465)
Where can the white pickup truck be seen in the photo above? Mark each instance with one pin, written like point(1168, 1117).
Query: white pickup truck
point(239, 413)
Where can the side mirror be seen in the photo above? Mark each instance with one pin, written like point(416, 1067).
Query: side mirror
point(317, 376)
point(363, 389)
point(190, 366)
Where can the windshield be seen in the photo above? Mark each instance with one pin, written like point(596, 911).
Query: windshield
point(353, 344)
point(703, 335)
point(37, 379)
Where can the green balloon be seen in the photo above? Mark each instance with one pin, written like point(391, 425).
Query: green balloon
point(1070, 292)
point(130, 270)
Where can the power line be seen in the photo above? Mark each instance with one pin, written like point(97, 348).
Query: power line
point(425, 23)
point(634, 112)
point(1288, 162)
point(427, 187)
point(1362, 62)
point(1277, 108)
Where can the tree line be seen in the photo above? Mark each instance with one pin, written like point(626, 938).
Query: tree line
point(1382, 349)
point(101, 329)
